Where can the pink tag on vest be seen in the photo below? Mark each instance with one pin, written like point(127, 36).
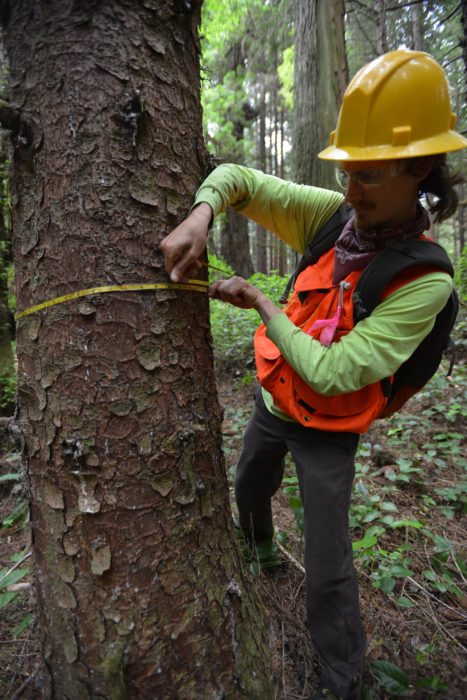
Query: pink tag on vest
point(329, 325)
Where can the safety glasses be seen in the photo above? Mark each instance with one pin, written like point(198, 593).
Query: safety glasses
point(369, 178)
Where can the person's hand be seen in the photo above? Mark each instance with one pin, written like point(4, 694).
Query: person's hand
point(184, 245)
point(235, 291)
point(240, 293)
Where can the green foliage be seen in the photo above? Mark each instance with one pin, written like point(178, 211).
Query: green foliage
point(17, 515)
point(291, 489)
point(460, 278)
point(242, 43)
point(12, 575)
point(285, 72)
point(7, 578)
point(7, 388)
point(395, 681)
point(390, 540)
point(390, 677)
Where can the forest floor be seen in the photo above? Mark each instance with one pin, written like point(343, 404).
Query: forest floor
point(406, 518)
point(410, 490)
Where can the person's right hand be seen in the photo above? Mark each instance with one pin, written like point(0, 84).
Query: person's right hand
point(184, 245)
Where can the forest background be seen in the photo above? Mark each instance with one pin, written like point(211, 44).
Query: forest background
point(273, 74)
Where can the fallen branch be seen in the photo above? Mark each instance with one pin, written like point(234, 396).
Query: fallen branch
point(287, 554)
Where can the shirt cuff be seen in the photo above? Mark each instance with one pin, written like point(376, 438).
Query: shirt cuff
point(210, 195)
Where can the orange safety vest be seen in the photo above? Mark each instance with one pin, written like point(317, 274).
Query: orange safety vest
point(354, 411)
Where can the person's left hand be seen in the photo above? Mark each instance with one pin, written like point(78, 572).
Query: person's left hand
point(241, 293)
point(235, 291)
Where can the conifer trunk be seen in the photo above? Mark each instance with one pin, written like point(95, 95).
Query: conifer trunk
point(140, 587)
point(320, 77)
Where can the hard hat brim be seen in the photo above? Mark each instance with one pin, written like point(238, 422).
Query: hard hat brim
point(443, 143)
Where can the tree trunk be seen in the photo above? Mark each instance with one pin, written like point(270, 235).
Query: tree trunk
point(261, 258)
point(417, 29)
point(464, 41)
point(7, 363)
point(320, 76)
point(461, 220)
point(235, 243)
point(140, 588)
point(380, 17)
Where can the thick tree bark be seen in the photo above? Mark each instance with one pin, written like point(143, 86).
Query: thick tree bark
point(320, 77)
point(140, 588)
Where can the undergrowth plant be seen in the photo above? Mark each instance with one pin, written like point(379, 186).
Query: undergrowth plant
point(15, 572)
point(404, 554)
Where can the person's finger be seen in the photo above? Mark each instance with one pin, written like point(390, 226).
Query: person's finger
point(185, 266)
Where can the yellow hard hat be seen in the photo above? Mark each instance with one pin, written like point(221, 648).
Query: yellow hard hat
point(397, 106)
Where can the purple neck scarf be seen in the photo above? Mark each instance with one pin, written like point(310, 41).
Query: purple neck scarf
point(356, 248)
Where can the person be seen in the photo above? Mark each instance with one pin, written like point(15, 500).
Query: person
point(318, 396)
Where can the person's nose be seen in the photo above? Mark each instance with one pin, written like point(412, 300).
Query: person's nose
point(354, 192)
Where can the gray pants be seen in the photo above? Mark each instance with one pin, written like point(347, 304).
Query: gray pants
point(325, 470)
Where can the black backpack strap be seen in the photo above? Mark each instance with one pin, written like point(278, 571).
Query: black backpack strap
point(321, 243)
point(389, 263)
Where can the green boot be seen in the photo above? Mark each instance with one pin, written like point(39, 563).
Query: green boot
point(260, 556)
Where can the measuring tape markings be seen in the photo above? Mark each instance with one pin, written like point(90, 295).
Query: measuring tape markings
point(190, 286)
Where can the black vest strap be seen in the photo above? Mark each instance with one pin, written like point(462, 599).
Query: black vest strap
point(389, 263)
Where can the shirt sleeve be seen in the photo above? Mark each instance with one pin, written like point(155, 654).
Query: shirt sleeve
point(294, 213)
point(375, 348)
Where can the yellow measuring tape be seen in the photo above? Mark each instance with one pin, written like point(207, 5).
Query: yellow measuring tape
point(190, 286)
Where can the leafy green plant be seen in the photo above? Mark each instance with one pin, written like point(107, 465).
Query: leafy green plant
point(291, 489)
point(7, 578)
point(9, 590)
point(7, 388)
point(395, 680)
point(17, 515)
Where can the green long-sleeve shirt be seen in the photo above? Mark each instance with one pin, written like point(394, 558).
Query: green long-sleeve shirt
point(379, 344)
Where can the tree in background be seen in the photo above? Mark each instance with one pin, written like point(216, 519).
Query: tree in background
point(7, 363)
point(258, 39)
point(139, 584)
point(7, 360)
point(320, 81)
point(244, 111)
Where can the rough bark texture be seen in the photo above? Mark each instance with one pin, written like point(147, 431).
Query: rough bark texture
point(140, 587)
point(320, 77)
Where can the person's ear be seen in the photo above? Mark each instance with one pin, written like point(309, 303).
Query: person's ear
point(420, 168)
